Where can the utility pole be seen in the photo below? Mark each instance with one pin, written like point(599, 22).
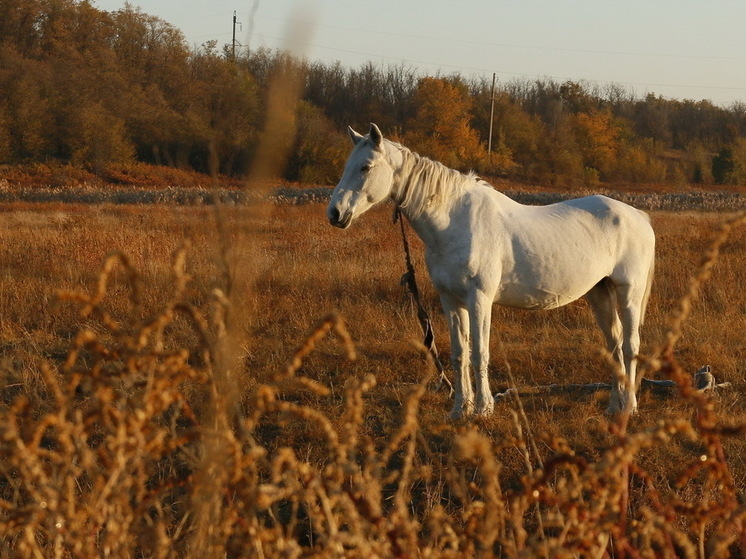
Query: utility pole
point(234, 34)
point(492, 114)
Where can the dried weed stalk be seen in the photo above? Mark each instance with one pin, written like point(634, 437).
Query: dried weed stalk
point(131, 451)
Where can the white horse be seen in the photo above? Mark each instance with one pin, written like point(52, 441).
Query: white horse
point(481, 248)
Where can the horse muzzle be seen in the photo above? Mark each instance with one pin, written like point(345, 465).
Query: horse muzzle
point(337, 220)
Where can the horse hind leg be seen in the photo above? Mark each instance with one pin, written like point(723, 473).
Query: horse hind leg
point(603, 302)
point(632, 299)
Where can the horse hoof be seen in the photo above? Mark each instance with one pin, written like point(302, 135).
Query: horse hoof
point(485, 410)
point(485, 405)
point(462, 411)
point(615, 410)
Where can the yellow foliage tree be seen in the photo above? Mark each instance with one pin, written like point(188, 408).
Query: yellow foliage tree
point(597, 138)
point(100, 138)
point(442, 130)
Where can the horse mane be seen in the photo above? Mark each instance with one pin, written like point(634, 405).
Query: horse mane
point(423, 183)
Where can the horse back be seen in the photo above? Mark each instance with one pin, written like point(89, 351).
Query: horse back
point(546, 256)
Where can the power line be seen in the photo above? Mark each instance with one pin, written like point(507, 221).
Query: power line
point(501, 72)
point(440, 40)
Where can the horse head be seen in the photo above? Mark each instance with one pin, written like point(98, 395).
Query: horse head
point(366, 180)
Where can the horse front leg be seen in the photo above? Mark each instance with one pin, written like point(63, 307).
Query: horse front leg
point(480, 318)
point(458, 326)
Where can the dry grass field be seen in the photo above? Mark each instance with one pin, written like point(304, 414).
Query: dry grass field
point(181, 381)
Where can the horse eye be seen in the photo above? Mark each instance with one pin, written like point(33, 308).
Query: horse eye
point(365, 168)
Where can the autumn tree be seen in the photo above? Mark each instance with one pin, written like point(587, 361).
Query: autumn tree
point(597, 139)
point(26, 85)
point(517, 136)
point(95, 88)
point(6, 151)
point(98, 138)
point(652, 120)
point(320, 150)
point(441, 128)
point(222, 112)
point(17, 25)
point(512, 129)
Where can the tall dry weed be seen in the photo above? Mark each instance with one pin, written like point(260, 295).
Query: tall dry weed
point(129, 450)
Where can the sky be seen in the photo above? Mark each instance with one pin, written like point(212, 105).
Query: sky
point(678, 49)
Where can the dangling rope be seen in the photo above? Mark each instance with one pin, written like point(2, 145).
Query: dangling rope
point(410, 281)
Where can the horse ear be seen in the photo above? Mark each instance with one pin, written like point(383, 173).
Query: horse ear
point(354, 136)
point(375, 135)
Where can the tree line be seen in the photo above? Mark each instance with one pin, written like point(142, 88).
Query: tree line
point(95, 88)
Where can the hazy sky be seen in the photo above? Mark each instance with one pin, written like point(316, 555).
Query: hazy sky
point(686, 49)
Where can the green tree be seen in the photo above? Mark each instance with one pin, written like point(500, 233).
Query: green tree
point(724, 167)
point(575, 99)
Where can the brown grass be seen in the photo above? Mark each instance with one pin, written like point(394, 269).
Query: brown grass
point(178, 406)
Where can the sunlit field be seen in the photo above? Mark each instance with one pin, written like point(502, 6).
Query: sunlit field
point(247, 381)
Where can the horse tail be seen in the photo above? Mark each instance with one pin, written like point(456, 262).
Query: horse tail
point(651, 273)
point(648, 287)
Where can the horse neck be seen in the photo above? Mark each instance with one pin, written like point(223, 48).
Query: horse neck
point(422, 189)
